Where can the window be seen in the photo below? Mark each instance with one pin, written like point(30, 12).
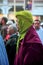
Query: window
point(11, 9)
point(19, 8)
point(38, 1)
point(19, 0)
point(10, 1)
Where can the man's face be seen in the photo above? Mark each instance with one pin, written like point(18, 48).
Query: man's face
point(37, 24)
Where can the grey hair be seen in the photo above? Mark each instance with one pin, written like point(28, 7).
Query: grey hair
point(14, 27)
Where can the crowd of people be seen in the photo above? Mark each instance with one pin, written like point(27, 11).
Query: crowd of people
point(9, 33)
point(21, 42)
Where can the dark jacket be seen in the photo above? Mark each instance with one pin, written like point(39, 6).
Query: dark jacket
point(11, 48)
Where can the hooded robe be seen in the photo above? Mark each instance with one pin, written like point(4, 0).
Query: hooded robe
point(30, 50)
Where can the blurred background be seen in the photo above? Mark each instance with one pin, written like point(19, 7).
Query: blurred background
point(9, 7)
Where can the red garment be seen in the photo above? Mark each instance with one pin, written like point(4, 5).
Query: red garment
point(7, 37)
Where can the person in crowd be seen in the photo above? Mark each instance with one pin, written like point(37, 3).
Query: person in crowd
point(12, 29)
point(3, 53)
point(3, 21)
point(30, 45)
point(4, 26)
point(4, 31)
point(29, 5)
point(38, 29)
point(9, 22)
point(11, 43)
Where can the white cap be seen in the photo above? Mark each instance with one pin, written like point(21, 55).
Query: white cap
point(41, 23)
point(9, 22)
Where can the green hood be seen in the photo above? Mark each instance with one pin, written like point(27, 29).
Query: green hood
point(25, 21)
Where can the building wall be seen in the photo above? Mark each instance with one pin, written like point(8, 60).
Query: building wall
point(5, 5)
point(37, 7)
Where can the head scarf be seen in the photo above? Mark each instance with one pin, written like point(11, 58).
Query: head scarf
point(24, 21)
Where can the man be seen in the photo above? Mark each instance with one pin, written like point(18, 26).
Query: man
point(30, 47)
point(38, 29)
point(3, 54)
